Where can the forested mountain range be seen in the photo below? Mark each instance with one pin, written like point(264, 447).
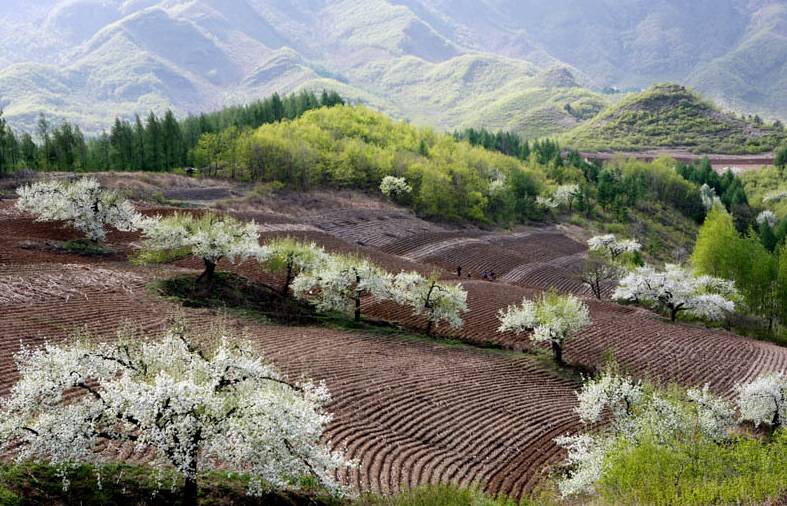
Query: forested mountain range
point(513, 64)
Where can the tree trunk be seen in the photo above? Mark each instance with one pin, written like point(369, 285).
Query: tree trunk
point(190, 492)
point(597, 289)
point(357, 299)
point(287, 281)
point(557, 351)
point(207, 274)
point(429, 326)
point(673, 314)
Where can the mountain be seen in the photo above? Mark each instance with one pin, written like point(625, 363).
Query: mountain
point(527, 65)
point(675, 117)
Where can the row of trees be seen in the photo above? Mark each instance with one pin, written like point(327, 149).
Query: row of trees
point(152, 143)
point(330, 282)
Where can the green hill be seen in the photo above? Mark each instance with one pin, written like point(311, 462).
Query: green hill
point(672, 116)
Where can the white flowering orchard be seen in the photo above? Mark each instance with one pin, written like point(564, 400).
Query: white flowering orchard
point(83, 204)
point(764, 400)
point(340, 284)
point(675, 290)
point(292, 257)
point(209, 237)
point(553, 319)
point(395, 187)
point(438, 302)
point(636, 413)
point(196, 406)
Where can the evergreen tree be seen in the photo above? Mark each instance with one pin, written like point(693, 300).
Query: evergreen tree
point(172, 141)
point(153, 152)
point(137, 137)
point(28, 151)
point(43, 130)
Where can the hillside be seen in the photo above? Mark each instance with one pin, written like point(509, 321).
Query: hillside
point(672, 116)
point(468, 406)
point(437, 63)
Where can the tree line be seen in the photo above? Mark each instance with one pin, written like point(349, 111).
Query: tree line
point(153, 143)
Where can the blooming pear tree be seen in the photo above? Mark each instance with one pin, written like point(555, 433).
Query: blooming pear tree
point(196, 402)
point(340, 284)
point(438, 302)
point(395, 187)
point(597, 273)
point(607, 260)
point(612, 248)
point(764, 400)
point(566, 194)
point(83, 204)
point(209, 237)
point(552, 318)
point(677, 290)
point(292, 257)
point(709, 197)
point(768, 217)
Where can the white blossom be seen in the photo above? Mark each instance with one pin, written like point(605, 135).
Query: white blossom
point(715, 415)
point(209, 237)
point(547, 202)
point(553, 318)
point(565, 194)
point(497, 185)
point(768, 217)
point(608, 391)
point(395, 187)
point(764, 400)
point(709, 197)
point(675, 289)
point(428, 297)
point(216, 405)
point(341, 282)
point(83, 204)
point(586, 455)
point(292, 257)
point(609, 246)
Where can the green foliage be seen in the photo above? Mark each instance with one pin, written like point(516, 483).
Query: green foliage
point(354, 147)
point(162, 256)
point(671, 116)
point(761, 183)
point(780, 156)
point(745, 471)
point(759, 274)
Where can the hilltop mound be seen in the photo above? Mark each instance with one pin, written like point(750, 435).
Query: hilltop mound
point(669, 115)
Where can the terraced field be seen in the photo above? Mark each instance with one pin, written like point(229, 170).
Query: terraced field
point(412, 410)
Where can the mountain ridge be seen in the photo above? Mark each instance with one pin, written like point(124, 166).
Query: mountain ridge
point(442, 63)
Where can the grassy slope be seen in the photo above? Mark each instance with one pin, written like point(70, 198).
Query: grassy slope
point(671, 116)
